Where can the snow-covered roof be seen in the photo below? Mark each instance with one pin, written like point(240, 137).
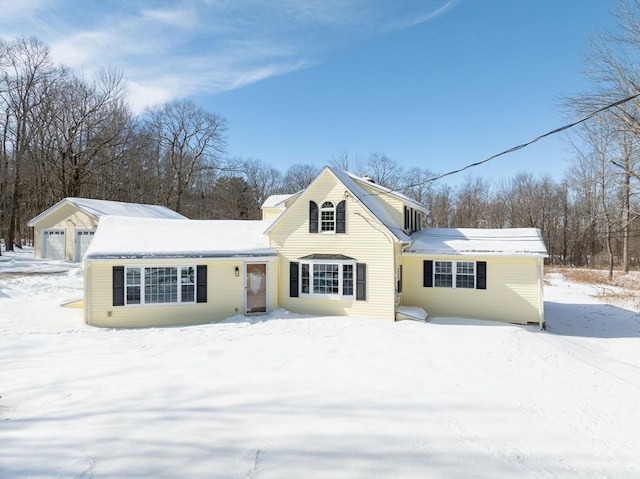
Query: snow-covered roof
point(371, 202)
point(99, 208)
point(126, 237)
point(410, 201)
point(485, 242)
point(276, 201)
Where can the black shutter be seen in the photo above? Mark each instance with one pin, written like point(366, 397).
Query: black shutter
point(406, 218)
point(118, 285)
point(201, 280)
point(400, 279)
point(313, 217)
point(427, 273)
point(293, 280)
point(481, 275)
point(341, 217)
point(361, 281)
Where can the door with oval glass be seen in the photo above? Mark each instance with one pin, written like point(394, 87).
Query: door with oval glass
point(255, 288)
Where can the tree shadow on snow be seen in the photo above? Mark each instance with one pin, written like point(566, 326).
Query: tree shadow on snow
point(591, 320)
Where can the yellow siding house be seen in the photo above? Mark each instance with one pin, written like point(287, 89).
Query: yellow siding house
point(343, 246)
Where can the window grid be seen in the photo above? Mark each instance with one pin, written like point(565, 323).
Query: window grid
point(327, 217)
point(188, 285)
point(347, 280)
point(326, 279)
point(465, 274)
point(133, 285)
point(305, 278)
point(443, 275)
point(160, 285)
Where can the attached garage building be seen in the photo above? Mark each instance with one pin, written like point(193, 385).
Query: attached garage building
point(64, 231)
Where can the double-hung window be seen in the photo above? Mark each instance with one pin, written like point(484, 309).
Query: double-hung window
point(327, 279)
point(164, 284)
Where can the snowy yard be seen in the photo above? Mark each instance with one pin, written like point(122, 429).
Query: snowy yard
point(287, 396)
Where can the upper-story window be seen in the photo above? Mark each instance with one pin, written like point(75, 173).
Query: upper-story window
point(327, 217)
point(412, 220)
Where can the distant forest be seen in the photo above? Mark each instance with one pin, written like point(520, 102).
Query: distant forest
point(64, 135)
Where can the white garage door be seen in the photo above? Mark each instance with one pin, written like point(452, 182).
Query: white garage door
point(83, 238)
point(53, 244)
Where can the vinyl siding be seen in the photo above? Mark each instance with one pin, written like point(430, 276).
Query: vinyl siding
point(67, 217)
point(392, 204)
point(225, 294)
point(365, 240)
point(270, 214)
point(513, 294)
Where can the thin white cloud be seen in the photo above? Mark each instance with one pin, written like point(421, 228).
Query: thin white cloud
point(179, 17)
point(191, 48)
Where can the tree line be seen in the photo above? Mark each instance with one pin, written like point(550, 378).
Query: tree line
point(64, 135)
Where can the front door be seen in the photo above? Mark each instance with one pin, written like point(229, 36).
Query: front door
point(256, 288)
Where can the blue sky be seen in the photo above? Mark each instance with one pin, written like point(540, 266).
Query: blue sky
point(435, 84)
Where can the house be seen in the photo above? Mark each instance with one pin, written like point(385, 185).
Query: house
point(64, 231)
point(343, 246)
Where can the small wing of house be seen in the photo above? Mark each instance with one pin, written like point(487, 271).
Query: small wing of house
point(275, 205)
point(141, 272)
point(494, 274)
point(65, 230)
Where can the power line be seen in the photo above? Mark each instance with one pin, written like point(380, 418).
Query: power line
point(523, 145)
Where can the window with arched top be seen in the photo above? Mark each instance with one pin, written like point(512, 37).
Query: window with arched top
point(327, 217)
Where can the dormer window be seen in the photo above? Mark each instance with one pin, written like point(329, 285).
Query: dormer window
point(327, 217)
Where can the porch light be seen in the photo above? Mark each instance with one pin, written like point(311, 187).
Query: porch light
point(237, 272)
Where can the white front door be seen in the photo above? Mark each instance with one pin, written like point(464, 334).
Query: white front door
point(255, 288)
point(83, 238)
point(53, 244)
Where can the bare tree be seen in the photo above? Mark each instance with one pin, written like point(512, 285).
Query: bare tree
point(385, 170)
point(263, 181)
point(298, 177)
point(189, 140)
point(26, 75)
point(87, 124)
point(613, 69)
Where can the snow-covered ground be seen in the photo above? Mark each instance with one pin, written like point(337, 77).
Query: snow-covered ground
point(289, 396)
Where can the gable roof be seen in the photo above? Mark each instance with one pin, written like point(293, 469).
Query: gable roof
point(99, 208)
point(484, 242)
point(371, 202)
point(127, 237)
point(383, 189)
